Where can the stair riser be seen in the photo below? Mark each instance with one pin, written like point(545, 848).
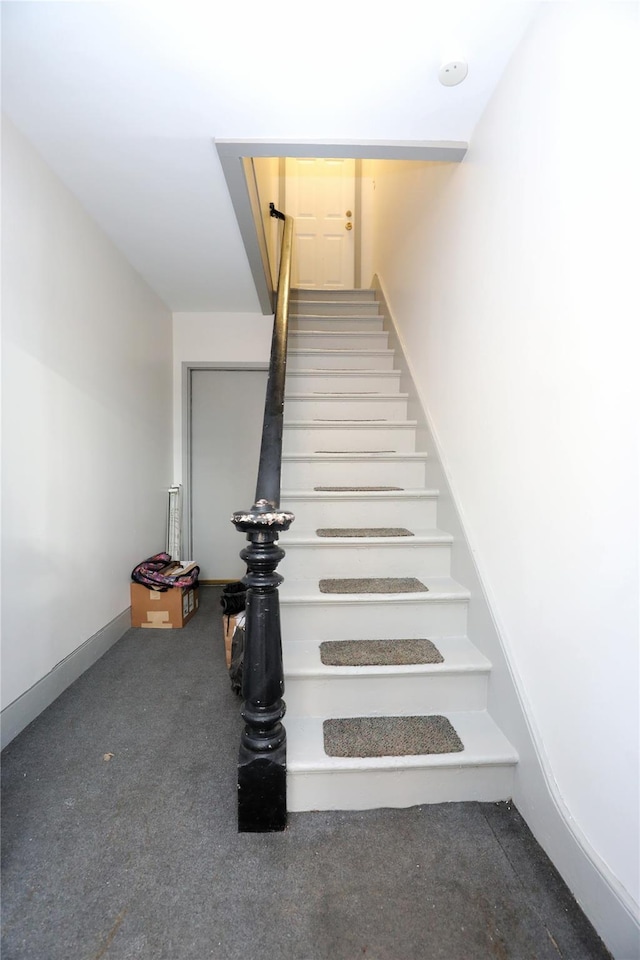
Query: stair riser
point(361, 296)
point(332, 340)
point(304, 562)
point(339, 407)
point(337, 360)
point(368, 790)
point(312, 514)
point(373, 620)
point(340, 324)
point(347, 382)
point(388, 695)
point(307, 474)
point(328, 308)
point(318, 438)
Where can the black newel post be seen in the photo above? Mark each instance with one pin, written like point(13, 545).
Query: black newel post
point(262, 765)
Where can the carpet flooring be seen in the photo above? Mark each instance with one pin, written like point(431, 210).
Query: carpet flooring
point(378, 653)
point(138, 857)
point(359, 452)
point(363, 532)
point(372, 585)
point(356, 489)
point(390, 736)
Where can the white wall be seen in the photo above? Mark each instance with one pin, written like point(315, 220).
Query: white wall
point(201, 338)
point(86, 422)
point(513, 282)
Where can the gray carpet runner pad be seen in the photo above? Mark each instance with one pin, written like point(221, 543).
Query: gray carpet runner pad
point(378, 653)
point(364, 532)
point(390, 736)
point(354, 451)
point(373, 585)
point(355, 489)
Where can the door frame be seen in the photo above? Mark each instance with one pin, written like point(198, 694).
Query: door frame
point(188, 367)
point(235, 158)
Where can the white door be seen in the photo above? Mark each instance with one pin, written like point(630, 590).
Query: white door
point(227, 408)
point(320, 195)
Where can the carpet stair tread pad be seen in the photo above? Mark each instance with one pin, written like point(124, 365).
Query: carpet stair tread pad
point(354, 451)
point(378, 653)
point(364, 532)
point(390, 736)
point(373, 585)
point(354, 489)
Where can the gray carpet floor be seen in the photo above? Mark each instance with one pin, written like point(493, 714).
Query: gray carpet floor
point(138, 856)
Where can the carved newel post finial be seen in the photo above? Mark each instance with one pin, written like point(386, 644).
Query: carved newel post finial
point(262, 765)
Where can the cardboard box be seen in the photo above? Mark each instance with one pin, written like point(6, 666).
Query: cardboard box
point(162, 610)
point(228, 626)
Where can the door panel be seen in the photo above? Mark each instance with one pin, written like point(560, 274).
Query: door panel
point(227, 408)
point(319, 195)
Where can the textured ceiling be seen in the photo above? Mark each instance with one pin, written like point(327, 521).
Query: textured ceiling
point(124, 101)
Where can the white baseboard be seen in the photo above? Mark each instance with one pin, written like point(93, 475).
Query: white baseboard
point(17, 715)
point(609, 907)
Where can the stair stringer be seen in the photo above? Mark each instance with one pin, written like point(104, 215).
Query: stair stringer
point(605, 901)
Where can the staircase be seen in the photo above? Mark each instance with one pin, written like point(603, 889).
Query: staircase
point(357, 486)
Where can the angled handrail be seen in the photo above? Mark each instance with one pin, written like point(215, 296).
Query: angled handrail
point(269, 470)
point(262, 766)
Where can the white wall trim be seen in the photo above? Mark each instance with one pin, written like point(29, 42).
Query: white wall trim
point(19, 714)
point(607, 904)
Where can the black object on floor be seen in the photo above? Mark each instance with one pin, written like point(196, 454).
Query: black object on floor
point(234, 598)
point(138, 857)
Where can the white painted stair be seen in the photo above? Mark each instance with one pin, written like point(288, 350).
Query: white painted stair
point(346, 426)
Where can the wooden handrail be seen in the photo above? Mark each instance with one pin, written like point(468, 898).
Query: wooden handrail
point(262, 763)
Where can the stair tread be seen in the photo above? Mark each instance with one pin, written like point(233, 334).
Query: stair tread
point(362, 493)
point(342, 334)
point(365, 396)
point(313, 371)
point(302, 659)
point(350, 423)
point(355, 454)
point(329, 292)
point(390, 735)
point(484, 744)
point(308, 591)
point(356, 318)
point(316, 350)
point(419, 538)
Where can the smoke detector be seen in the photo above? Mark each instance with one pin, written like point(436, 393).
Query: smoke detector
point(451, 74)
